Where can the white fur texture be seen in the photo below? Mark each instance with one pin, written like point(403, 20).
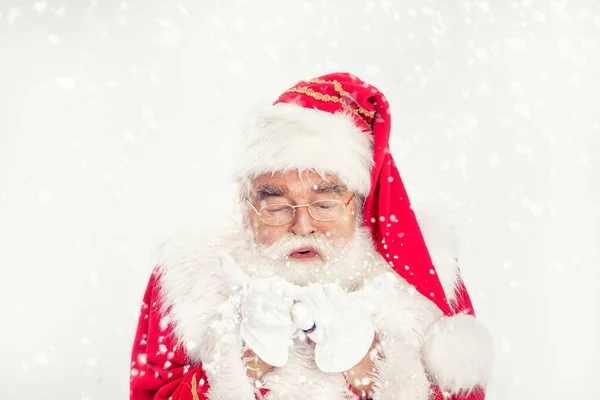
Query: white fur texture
point(459, 352)
point(288, 137)
point(401, 323)
point(206, 322)
point(204, 315)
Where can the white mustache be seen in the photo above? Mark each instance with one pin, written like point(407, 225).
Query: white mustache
point(290, 242)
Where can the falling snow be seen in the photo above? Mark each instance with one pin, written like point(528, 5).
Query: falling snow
point(118, 123)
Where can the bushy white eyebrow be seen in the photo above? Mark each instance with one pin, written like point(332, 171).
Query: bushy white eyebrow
point(270, 190)
point(325, 187)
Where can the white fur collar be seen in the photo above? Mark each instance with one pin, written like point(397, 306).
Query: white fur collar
point(199, 304)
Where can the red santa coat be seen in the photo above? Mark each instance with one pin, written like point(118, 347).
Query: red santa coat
point(183, 297)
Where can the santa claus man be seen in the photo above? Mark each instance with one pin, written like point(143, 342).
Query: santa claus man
point(333, 289)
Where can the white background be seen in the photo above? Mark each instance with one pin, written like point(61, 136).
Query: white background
point(117, 121)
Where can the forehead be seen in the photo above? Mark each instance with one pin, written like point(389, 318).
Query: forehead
point(298, 182)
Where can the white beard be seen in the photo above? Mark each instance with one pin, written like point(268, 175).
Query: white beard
point(347, 264)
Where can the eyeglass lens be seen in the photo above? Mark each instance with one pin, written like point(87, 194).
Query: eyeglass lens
point(321, 210)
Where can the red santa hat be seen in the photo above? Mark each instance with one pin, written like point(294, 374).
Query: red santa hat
point(339, 124)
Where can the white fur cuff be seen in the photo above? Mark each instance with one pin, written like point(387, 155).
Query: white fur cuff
point(458, 353)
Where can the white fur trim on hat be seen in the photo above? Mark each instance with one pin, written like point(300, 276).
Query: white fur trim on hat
point(289, 137)
point(458, 353)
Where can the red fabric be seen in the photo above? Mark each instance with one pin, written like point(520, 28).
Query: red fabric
point(159, 369)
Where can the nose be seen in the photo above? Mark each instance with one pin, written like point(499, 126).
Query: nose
point(302, 225)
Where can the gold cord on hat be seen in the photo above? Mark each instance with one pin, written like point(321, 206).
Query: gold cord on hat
point(339, 88)
point(323, 97)
point(327, 97)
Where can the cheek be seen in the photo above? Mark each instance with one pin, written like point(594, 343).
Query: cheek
point(342, 231)
point(267, 235)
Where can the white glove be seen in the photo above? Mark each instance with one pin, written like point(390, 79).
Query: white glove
point(267, 326)
point(341, 322)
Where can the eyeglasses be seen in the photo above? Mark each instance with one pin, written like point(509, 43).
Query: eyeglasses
point(283, 214)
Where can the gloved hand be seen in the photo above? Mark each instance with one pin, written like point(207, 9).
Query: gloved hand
point(340, 323)
point(266, 326)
